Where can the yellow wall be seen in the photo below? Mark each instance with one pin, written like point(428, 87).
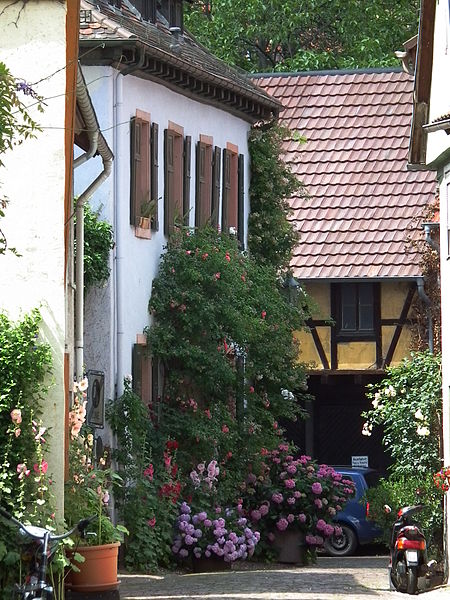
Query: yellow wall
point(355, 355)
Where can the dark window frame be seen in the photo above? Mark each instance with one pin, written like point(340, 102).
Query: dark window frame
point(356, 334)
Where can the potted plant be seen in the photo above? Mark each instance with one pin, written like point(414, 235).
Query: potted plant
point(87, 493)
point(148, 209)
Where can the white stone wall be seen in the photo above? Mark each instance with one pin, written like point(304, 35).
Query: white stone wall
point(115, 316)
point(33, 179)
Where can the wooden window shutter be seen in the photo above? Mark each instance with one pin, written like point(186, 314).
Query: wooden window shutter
point(226, 190)
point(215, 187)
point(135, 155)
point(241, 166)
point(140, 167)
point(200, 182)
point(187, 178)
point(154, 158)
point(169, 181)
point(141, 366)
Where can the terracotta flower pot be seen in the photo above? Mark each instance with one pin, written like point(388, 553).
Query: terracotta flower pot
point(98, 572)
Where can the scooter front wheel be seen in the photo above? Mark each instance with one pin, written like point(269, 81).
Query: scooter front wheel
point(411, 587)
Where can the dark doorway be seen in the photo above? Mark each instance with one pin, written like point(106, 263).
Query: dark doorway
point(333, 434)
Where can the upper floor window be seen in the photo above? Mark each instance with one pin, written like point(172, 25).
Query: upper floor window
point(355, 308)
point(172, 11)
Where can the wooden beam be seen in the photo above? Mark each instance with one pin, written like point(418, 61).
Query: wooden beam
point(399, 326)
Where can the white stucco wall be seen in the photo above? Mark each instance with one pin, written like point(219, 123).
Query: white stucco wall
point(439, 141)
point(136, 260)
point(33, 180)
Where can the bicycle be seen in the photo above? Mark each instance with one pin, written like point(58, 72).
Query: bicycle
point(37, 587)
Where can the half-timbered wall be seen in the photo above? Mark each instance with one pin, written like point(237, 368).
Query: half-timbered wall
point(325, 346)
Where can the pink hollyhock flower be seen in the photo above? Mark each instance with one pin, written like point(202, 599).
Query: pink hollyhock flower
point(149, 471)
point(17, 432)
point(251, 389)
point(151, 522)
point(282, 524)
point(217, 275)
point(263, 314)
point(204, 256)
point(225, 428)
point(208, 413)
point(16, 416)
point(227, 257)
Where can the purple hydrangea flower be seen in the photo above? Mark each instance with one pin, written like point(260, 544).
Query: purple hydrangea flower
point(316, 488)
point(282, 524)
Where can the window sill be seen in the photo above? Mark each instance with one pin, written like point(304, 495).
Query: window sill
point(143, 233)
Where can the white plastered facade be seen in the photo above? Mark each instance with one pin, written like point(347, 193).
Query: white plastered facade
point(34, 182)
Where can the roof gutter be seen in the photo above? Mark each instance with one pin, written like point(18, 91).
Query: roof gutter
point(97, 144)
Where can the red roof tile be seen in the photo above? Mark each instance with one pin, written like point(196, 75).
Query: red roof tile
point(362, 203)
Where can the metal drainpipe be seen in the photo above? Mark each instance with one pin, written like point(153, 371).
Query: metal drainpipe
point(96, 143)
point(429, 239)
point(426, 300)
point(120, 218)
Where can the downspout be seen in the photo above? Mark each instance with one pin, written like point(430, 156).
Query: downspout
point(120, 219)
point(97, 144)
point(426, 300)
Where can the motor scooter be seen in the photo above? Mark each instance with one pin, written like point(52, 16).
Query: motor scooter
point(408, 551)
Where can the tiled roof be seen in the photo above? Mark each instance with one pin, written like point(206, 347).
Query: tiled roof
point(363, 203)
point(191, 66)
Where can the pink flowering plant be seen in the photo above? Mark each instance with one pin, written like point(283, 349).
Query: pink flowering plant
point(89, 486)
point(295, 494)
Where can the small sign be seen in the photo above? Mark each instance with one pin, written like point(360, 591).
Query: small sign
point(360, 462)
point(96, 399)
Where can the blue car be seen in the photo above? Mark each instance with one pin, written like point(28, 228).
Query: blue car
point(356, 528)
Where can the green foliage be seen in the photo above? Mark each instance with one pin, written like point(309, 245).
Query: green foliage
point(268, 35)
point(147, 500)
point(24, 485)
point(408, 491)
point(98, 242)
point(271, 236)
point(224, 333)
point(408, 406)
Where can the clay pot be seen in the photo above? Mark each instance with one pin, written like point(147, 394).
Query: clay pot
point(98, 572)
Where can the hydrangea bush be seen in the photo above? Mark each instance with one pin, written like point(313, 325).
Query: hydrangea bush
point(295, 494)
point(224, 534)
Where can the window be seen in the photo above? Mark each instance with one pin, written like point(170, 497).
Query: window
point(174, 179)
point(147, 8)
point(204, 181)
point(172, 11)
point(355, 314)
point(144, 172)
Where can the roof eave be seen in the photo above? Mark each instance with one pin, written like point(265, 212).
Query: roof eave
point(174, 72)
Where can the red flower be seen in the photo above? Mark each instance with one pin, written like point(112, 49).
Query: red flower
point(227, 257)
point(251, 389)
point(204, 256)
point(151, 522)
point(225, 428)
point(171, 444)
point(263, 314)
point(174, 470)
point(149, 472)
point(264, 452)
point(208, 413)
point(217, 275)
point(243, 277)
point(229, 455)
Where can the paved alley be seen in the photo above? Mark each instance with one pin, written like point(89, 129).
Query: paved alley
point(355, 578)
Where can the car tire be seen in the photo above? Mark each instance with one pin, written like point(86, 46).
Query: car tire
point(342, 545)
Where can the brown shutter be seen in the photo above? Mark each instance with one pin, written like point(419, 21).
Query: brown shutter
point(226, 190)
point(169, 180)
point(141, 368)
point(215, 187)
point(200, 183)
point(241, 201)
point(135, 155)
point(154, 159)
point(187, 178)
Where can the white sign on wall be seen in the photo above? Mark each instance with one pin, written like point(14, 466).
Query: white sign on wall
point(360, 462)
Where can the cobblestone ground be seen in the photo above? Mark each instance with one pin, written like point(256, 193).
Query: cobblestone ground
point(355, 578)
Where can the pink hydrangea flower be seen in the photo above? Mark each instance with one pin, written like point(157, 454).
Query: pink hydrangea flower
point(316, 488)
point(282, 524)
